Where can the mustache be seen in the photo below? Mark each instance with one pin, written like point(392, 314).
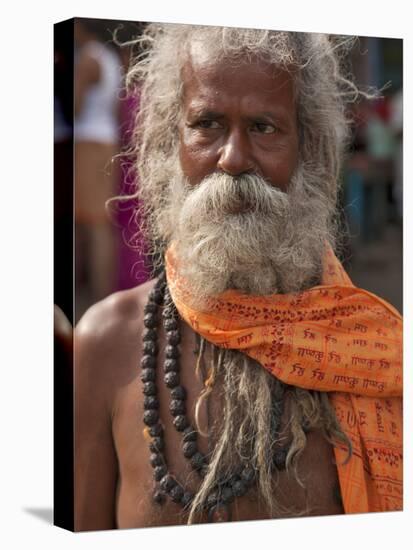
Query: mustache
point(221, 194)
point(241, 232)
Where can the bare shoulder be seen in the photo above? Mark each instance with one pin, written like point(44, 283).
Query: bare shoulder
point(106, 351)
point(108, 334)
point(114, 318)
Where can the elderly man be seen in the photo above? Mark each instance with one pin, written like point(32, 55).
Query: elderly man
point(249, 379)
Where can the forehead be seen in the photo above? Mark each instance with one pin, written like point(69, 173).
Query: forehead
point(246, 83)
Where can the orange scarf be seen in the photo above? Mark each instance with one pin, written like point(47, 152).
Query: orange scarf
point(335, 338)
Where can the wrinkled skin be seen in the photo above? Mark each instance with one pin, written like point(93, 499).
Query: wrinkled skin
point(238, 120)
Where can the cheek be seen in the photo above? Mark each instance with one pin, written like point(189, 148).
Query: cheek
point(197, 160)
point(280, 168)
point(291, 162)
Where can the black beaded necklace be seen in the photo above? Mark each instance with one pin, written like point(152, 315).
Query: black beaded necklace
point(218, 501)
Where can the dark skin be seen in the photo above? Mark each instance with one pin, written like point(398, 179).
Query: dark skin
point(238, 120)
point(113, 476)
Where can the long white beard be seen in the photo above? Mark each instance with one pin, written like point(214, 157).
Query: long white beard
point(242, 233)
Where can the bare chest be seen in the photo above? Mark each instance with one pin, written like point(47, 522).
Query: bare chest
point(315, 494)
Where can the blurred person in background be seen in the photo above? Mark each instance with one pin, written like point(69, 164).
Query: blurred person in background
point(97, 86)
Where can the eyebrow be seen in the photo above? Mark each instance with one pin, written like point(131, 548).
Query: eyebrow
point(199, 111)
point(205, 113)
point(278, 116)
point(270, 114)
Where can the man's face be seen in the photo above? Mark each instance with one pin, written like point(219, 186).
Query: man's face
point(244, 212)
point(238, 120)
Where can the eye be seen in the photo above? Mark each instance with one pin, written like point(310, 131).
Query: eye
point(208, 124)
point(264, 128)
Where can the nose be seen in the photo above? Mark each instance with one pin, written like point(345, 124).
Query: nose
point(235, 156)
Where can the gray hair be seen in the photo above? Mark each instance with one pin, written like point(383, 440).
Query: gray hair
point(322, 87)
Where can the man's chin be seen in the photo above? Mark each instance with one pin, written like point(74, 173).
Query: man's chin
point(237, 209)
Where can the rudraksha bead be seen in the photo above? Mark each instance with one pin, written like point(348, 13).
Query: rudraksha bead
point(169, 312)
point(150, 347)
point(173, 337)
point(149, 320)
point(167, 483)
point(239, 488)
point(235, 477)
point(176, 493)
point(156, 445)
point(226, 495)
point(171, 352)
point(150, 417)
point(179, 392)
point(160, 472)
point(248, 475)
point(189, 434)
point(197, 461)
point(189, 449)
point(150, 307)
point(148, 362)
point(177, 406)
point(186, 499)
point(171, 365)
point(180, 422)
point(149, 388)
point(156, 430)
point(172, 379)
point(148, 375)
point(212, 499)
point(170, 324)
point(149, 334)
point(156, 295)
point(156, 460)
point(150, 402)
point(159, 497)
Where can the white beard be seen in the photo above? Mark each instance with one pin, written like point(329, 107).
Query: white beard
point(245, 234)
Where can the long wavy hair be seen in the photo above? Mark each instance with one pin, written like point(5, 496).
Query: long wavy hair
point(323, 88)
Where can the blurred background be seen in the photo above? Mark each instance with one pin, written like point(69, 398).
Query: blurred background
point(110, 253)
